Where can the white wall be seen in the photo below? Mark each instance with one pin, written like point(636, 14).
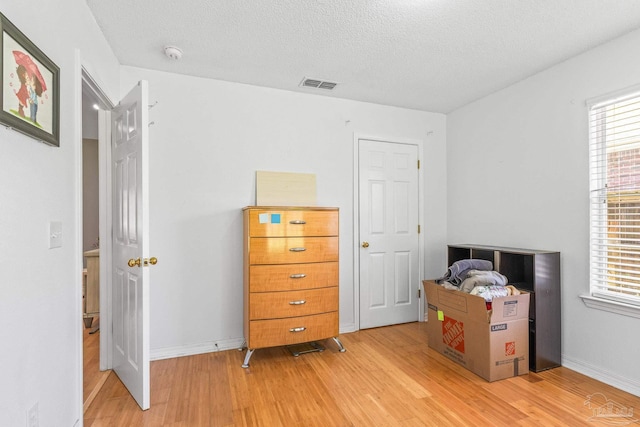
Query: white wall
point(208, 140)
point(518, 176)
point(40, 287)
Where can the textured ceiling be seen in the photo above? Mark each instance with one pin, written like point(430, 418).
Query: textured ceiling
point(432, 55)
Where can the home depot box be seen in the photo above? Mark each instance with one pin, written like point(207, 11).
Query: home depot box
point(493, 344)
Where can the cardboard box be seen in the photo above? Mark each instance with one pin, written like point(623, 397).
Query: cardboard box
point(493, 344)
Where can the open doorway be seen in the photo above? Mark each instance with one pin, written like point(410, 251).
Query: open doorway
point(94, 365)
point(123, 234)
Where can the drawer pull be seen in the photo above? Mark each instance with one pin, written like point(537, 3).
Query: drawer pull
point(298, 249)
point(300, 329)
point(297, 276)
point(297, 221)
point(299, 302)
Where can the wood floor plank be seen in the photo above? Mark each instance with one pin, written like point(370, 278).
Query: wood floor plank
point(92, 378)
point(388, 377)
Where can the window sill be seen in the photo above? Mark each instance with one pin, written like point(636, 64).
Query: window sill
point(611, 306)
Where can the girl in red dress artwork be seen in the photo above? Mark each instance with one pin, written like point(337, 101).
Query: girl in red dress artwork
point(23, 92)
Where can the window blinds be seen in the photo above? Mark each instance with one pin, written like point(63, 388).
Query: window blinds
point(614, 147)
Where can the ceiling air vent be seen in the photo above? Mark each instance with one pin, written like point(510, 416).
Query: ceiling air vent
point(318, 84)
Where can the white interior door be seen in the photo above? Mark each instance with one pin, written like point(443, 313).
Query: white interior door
point(389, 240)
point(130, 241)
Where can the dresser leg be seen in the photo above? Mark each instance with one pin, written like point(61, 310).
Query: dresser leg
point(340, 346)
point(87, 322)
point(247, 357)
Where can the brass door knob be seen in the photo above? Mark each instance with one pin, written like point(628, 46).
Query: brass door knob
point(138, 262)
point(365, 244)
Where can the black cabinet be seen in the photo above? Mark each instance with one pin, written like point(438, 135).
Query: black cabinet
point(535, 271)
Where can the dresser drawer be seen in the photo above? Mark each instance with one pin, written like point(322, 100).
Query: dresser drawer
point(294, 330)
point(290, 250)
point(280, 223)
point(277, 305)
point(289, 277)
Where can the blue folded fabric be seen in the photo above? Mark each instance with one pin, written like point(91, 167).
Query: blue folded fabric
point(459, 269)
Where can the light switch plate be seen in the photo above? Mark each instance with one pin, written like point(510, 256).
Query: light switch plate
point(55, 234)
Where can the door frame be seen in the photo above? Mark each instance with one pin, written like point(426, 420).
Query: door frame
point(356, 216)
point(86, 82)
point(105, 220)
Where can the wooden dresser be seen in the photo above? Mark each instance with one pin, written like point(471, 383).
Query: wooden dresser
point(291, 276)
point(91, 288)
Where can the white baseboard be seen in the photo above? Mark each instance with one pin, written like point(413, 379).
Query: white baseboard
point(597, 373)
point(345, 329)
point(193, 349)
point(211, 347)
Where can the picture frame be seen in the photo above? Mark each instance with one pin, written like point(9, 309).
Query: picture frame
point(29, 87)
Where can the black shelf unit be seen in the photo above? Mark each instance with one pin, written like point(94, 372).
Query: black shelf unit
point(538, 272)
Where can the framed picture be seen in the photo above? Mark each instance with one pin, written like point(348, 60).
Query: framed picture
point(29, 87)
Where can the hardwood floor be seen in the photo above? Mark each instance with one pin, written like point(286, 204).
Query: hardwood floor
point(387, 377)
point(93, 379)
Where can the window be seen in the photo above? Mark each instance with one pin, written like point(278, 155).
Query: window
point(614, 155)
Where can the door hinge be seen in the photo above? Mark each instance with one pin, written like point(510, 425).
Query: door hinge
point(418, 228)
point(418, 164)
point(419, 293)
